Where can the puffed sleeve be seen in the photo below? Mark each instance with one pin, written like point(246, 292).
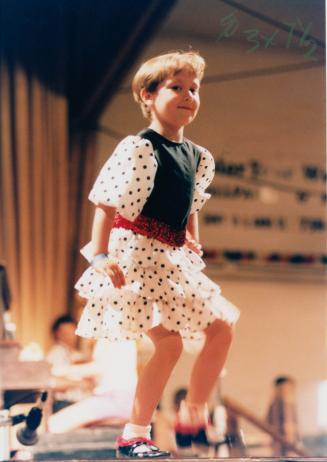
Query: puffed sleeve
point(127, 178)
point(204, 176)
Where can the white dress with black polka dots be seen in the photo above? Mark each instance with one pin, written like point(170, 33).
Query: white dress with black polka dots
point(164, 284)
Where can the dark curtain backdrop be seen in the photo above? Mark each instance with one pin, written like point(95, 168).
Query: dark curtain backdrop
point(60, 62)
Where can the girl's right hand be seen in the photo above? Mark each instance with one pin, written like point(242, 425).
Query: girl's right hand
point(194, 245)
point(109, 266)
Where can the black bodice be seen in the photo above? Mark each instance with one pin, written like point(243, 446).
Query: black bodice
point(171, 198)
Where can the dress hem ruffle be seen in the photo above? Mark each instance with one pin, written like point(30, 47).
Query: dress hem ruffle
point(164, 285)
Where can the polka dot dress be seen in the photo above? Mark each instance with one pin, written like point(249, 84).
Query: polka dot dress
point(164, 284)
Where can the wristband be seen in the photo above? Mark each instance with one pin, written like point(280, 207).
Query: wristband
point(98, 257)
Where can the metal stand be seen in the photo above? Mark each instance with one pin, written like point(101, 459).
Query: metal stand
point(26, 435)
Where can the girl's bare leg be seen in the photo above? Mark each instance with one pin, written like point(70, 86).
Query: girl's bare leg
point(168, 348)
point(210, 362)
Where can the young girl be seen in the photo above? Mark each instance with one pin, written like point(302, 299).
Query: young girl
point(146, 271)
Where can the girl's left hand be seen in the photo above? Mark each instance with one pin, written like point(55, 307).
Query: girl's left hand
point(194, 245)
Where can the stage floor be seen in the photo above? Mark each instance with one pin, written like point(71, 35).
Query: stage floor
point(98, 444)
point(190, 459)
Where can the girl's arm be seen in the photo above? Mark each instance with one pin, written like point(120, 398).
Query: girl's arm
point(193, 226)
point(101, 228)
point(192, 234)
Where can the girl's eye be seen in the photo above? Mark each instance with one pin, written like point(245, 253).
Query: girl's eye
point(176, 87)
point(193, 90)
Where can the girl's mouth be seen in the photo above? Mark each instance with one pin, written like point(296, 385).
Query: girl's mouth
point(184, 107)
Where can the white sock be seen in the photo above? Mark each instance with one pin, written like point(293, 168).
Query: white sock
point(136, 431)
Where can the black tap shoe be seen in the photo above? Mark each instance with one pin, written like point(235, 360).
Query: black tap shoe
point(183, 436)
point(138, 448)
point(186, 435)
point(200, 437)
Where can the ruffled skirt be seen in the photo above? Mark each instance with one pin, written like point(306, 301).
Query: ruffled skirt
point(164, 285)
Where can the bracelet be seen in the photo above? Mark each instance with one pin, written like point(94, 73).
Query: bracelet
point(99, 256)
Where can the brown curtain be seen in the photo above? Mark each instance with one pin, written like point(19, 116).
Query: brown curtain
point(34, 210)
point(82, 175)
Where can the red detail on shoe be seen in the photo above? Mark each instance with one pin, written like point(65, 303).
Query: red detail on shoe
point(188, 429)
point(121, 442)
point(151, 227)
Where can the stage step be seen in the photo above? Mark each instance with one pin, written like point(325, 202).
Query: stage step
point(95, 443)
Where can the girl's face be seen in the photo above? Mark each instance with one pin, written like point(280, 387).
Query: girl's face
point(176, 101)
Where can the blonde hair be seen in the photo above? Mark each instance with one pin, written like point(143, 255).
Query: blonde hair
point(156, 70)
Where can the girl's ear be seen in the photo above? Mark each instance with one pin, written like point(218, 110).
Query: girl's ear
point(146, 96)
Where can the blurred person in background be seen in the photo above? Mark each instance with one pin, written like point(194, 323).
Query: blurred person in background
point(70, 381)
point(282, 414)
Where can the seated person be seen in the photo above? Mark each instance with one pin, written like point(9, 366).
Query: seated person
point(116, 366)
point(70, 381)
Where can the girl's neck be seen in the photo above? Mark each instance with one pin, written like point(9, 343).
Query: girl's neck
point(172, 133)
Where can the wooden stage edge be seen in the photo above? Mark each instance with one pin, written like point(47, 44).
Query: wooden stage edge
point(193, 459)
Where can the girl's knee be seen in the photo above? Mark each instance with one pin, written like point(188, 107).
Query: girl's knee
point(220, 331)
point(169, 345)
